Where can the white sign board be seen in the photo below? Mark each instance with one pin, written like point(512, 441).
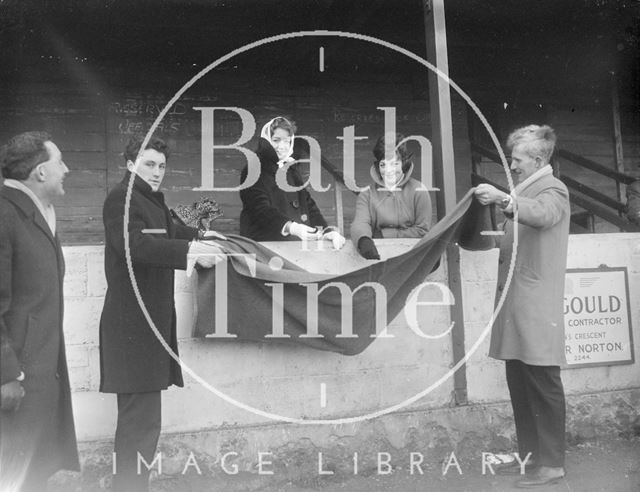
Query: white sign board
point(597, 320)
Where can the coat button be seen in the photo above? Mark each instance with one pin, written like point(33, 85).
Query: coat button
point(500, 288)
point(57, 375)
point(501, 261)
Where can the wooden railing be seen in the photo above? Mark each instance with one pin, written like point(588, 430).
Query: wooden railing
point(338, 187)
point(594, 202)
point(338, 183)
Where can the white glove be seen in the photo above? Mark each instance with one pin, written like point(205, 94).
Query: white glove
point(212, 235)
point(204, 254)
point(336, 238)
point(304, 232)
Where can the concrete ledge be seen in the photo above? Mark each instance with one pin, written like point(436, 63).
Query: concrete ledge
point(287, 380)
point(231, 454)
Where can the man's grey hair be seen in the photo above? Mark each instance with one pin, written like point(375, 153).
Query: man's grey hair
point(536, 141)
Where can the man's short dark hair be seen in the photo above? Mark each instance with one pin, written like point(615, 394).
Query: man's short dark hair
point(133, 147)
point(23, 153)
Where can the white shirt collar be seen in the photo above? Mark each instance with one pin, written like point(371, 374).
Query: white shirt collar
point(48, 213)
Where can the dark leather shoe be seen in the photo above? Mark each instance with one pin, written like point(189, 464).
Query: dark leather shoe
point(545, 475)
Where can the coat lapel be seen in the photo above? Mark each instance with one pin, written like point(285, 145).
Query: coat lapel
point(534, 188)
point(29, 209)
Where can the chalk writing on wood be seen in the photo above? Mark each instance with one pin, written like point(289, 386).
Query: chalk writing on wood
point(135, 107)
point(131, 116)
point(177, 127)
point(356, 116)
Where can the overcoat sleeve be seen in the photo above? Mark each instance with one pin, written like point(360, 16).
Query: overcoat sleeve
point(363, 224)
point(185, 232)
point(544, 210)
point(9, 365)
point(422, 212)
point(315, 216)
point(146, 249)
point(256, 202)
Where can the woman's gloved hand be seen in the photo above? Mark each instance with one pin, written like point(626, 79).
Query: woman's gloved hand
point(367, 248)
point(336, 238)
point(304, 232)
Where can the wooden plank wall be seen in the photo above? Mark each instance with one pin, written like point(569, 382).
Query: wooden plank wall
point(587, 132)
point(92, 130)
point(77, 124)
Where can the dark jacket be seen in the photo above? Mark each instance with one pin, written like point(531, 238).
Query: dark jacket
point(633, 202)
point(266, 208)
point(132, 359)
point(389, 214)
point(31, 337)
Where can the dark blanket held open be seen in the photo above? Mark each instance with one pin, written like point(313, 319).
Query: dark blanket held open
point(291, 305)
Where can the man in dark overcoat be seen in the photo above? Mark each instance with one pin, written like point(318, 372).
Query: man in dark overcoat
point(133, 361)
point(37, 434)
point(529, 330)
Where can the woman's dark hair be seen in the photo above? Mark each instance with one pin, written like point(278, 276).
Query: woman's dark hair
point(23, 153)
point(133, 147)
point(405, 155)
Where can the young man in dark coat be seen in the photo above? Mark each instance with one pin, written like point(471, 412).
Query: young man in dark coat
point(37, 434)
point(133, 362)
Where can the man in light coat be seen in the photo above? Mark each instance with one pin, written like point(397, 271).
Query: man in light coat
point(37, 434)
point(529, 329)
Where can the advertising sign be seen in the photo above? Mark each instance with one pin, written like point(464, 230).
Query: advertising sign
point(597, 318)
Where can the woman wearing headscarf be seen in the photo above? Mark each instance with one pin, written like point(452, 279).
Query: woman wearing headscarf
point(270, 213)
point(394, 205)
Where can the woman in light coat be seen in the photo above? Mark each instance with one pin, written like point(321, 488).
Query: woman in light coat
point(395, 205)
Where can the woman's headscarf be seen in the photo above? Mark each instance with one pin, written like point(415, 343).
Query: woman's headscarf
point(266, 134)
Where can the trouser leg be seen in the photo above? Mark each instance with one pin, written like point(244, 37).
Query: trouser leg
point(522, 410)
point(138, 430)
point(546, 397)
point(29, 439)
